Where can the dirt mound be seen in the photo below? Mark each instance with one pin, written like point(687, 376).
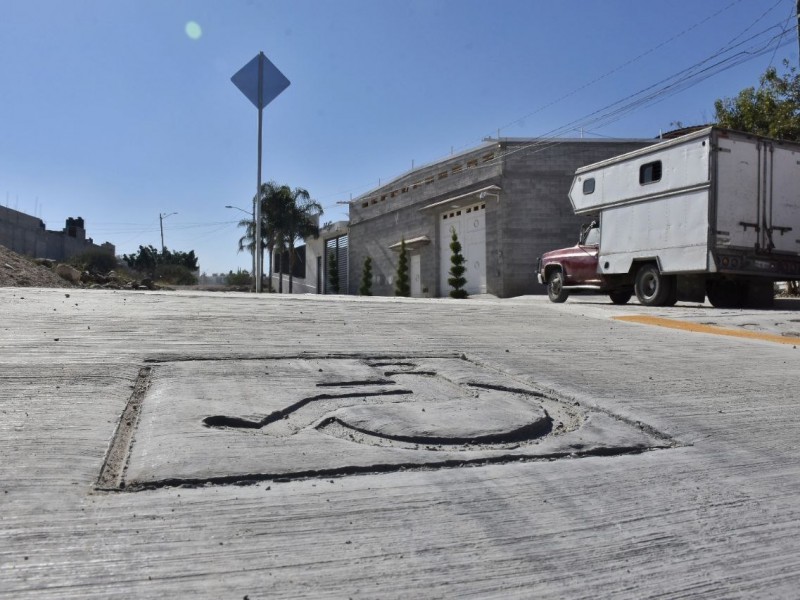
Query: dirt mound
point(21, 271)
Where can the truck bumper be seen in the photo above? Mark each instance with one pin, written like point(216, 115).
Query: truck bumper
point(776, 267)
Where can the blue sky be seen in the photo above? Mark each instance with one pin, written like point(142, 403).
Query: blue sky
point(112, 112)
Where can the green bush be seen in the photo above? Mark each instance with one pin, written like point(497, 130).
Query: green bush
point(403, 284)
point(175, 274)
point(94, 261)
point(333, 273)
point(366, 278)
point(456, 280)
point(238, 278)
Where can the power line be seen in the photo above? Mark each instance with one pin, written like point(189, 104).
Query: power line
point(669, 86)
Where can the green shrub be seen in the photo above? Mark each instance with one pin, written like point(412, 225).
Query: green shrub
point(333, 273)
point(403, 283)
point(175, 274)
point(456, 280)
point(366, 278)
point(94, 261)
point(238, 278)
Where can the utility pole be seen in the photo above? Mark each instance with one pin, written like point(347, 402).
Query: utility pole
point(797, 14)
point(161, 218)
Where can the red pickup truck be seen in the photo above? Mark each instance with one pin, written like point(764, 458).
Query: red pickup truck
point(575, 269)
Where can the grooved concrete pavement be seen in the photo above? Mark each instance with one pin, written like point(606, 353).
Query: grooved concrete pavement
point(716, 515)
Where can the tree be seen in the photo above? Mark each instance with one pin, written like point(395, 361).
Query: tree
point(333, 272)
point(366, 278)
point(456, 280)
point(144, 261)
point(240, 278)
point(301, 222)
point(402, 286)
point(175, 266)
point(286, 215)
point(772, 110)
point(270, 199)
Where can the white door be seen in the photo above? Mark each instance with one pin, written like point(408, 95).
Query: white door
point(470, 226)
point(414, 273)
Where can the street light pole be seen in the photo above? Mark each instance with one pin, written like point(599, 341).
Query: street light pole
point(161, 218)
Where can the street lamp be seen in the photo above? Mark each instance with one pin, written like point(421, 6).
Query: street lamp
point(253, 252)
point(161, 218)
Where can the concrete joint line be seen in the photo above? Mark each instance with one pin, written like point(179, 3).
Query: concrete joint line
point(113, 470)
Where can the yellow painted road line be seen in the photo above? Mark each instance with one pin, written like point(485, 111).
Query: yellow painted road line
point(712, 329)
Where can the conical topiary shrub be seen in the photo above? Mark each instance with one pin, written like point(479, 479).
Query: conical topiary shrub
point(366, 278)
point(402, 286)
point(456, 280)
point(333, 273)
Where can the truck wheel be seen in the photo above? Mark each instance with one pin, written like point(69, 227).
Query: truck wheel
point(620, 296)
point(555, 287)
point(760, 295)
point(653, 288)
point(725, 294)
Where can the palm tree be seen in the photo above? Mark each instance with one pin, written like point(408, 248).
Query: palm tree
point(302, 219)
point(270, 194)
point(286, 215)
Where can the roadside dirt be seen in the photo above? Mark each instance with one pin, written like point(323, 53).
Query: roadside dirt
point(20, 271)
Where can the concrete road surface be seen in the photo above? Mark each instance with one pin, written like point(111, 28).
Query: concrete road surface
point(162, 444)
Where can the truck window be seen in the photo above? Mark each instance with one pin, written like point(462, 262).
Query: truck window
point(588, 186)
point(592, 237)
point(650, 172)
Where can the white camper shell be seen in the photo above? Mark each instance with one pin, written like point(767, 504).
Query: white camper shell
point(717, 209)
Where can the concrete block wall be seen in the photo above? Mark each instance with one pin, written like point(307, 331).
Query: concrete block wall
point(536, 213)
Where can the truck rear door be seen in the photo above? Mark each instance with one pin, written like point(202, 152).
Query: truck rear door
point(758, 207)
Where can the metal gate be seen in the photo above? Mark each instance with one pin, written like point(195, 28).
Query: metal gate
point(336, 247)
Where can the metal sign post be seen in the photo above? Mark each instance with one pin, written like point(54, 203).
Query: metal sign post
point(261, 82)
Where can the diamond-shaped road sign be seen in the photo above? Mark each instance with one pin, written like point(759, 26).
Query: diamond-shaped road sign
point(272, 81)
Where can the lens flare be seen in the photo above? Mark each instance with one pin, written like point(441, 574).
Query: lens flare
point(193, 30)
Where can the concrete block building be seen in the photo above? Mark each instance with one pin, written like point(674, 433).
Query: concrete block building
point(506, 200)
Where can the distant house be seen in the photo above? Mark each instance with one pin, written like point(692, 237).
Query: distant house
point(506, 200)
point(27, 235)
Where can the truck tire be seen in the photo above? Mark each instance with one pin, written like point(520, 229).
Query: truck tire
point(653, 288)
point(555, 287)
point(723, 293)
point(620, 296)
point(760, 294)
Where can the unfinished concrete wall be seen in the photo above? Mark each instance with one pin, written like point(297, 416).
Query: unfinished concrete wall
point(22, 233)
point(27, 235)
point(381, 218)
